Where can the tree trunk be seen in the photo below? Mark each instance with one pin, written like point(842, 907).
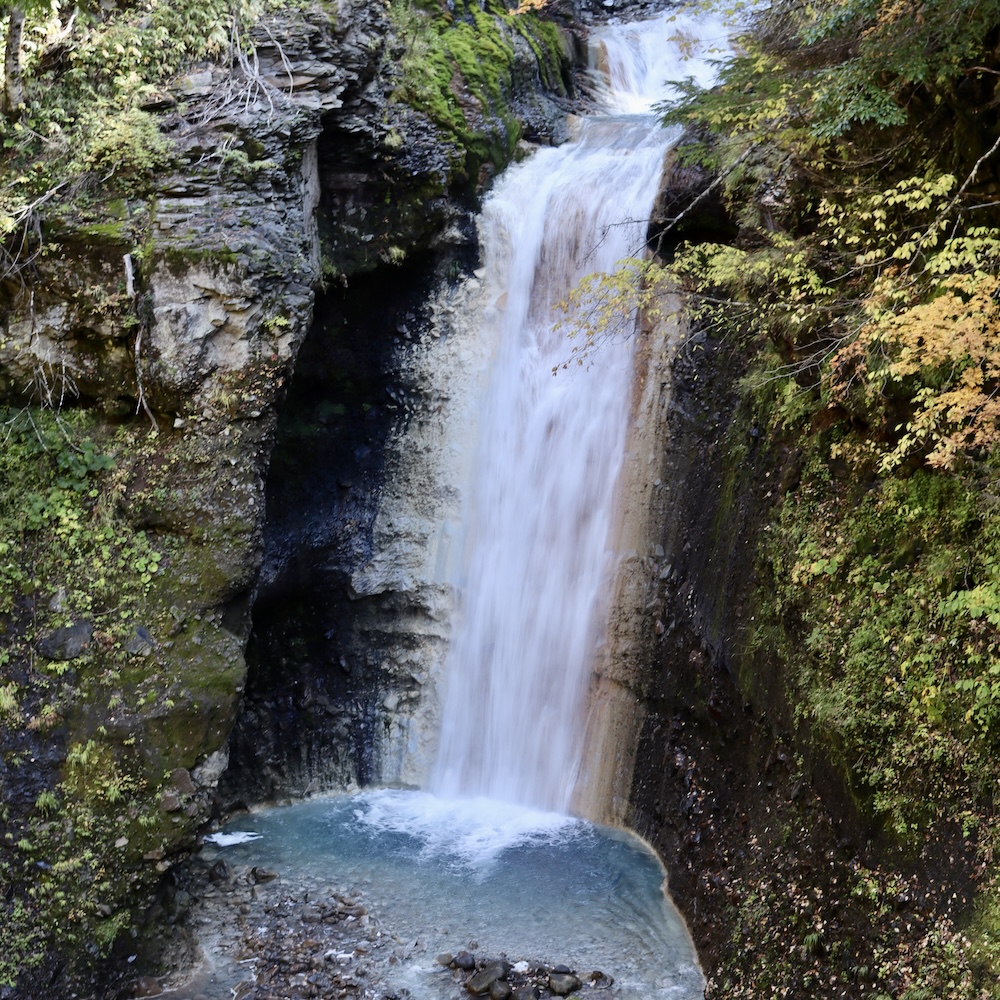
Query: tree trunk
point(12, 96)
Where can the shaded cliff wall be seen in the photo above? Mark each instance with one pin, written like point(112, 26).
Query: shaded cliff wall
point(351, 622)
point(784, 881)
point(788, 884)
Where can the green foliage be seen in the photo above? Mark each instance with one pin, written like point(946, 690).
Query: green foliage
point(894, 667)
point(23, 940)
point(127, 145)
point(840, 133)
point(87, 73)
point(134, 47)
point(607, 306)
point(458, 69)
point(70, 847)
point(855, 145)
point(9, 705)
point(796, 929)
point(821, 70)
point(61, 534)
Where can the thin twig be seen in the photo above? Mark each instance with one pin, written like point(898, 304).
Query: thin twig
point(130, 286)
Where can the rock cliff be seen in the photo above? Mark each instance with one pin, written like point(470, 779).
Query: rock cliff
point(147, 336)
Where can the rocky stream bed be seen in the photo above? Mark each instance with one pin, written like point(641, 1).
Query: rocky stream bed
point(274, 938)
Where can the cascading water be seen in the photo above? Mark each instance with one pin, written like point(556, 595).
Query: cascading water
point(544, 497)
point(491, 854)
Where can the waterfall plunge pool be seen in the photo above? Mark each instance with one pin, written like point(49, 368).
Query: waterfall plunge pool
point(442, 874)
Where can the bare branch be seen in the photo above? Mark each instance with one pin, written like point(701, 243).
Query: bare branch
point(677, 219)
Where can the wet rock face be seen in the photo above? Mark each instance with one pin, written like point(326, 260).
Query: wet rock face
point(314, 706)
point(607, 10)
point(352, 616)
point(756, 828)
point(687, 208)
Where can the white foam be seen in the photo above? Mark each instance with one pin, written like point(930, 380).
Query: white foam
point(473, 832)
point(232, 838)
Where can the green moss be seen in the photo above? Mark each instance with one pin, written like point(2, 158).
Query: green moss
point(874, 642)
point(984, 930)
point(115, 232)
point(22, 941)
point(189, 716)
point(178, 259)
point(77, 498)
point(459, 71)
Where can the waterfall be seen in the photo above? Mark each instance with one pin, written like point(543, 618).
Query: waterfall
point(530, 558)
point(538, 525)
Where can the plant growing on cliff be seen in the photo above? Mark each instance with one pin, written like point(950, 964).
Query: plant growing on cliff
point(458, 66)
point(880, 296)
point(77, 104)
point(867, 259)
point(127, 146)
point(58, 529)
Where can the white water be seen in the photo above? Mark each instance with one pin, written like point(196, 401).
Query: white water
point(533, 595)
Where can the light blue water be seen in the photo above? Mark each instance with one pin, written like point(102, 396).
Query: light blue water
point(531, 885)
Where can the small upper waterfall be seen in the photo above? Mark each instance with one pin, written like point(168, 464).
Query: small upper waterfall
point(543, 499)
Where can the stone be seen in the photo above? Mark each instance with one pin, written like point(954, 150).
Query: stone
point(445, 958)
point(678, 199)
point(499, 990)
point(481, 982)
point(465, 961)
point(170, 802)
point(562, 984)
point(180, 778)
point(527, 993)
point(141, 644)
point(220, 872)
point(260, 875)
point(67, 643)
point(208, 772)
point(146, 986)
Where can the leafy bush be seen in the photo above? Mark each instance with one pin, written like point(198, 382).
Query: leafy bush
point(125, 145)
